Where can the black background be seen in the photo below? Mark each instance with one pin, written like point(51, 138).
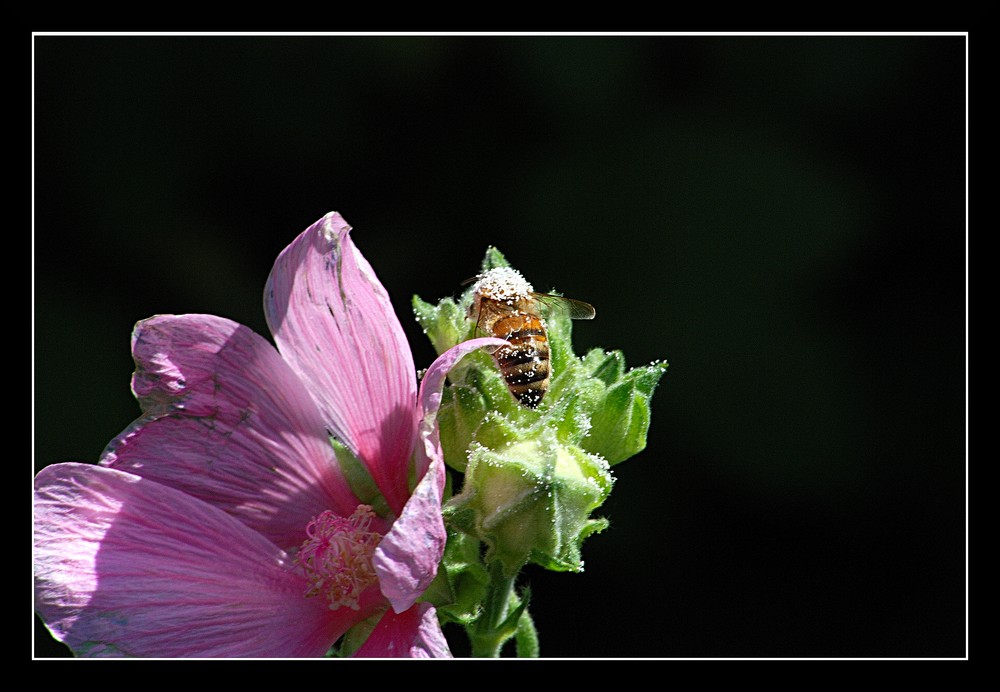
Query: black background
point(782, 218)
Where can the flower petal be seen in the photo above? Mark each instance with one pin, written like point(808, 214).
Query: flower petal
point(406, 560)
point(125, 566)
point(414, 633)
point(230, 423)
point(431, 389)
point(333, 322)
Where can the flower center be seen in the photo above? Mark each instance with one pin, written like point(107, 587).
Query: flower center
point(336, 556)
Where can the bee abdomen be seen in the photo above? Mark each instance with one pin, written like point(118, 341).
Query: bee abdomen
point(524, 364)
point(529, 394)
point(525, 368)
point(527, 373)
point(508, 358)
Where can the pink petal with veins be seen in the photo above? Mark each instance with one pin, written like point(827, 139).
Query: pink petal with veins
point(125, 566)
point(333, 322)
point(227, 421)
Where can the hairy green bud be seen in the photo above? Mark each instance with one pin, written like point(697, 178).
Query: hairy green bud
point(533, 476)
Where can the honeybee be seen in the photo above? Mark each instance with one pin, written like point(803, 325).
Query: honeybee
point(504, 305)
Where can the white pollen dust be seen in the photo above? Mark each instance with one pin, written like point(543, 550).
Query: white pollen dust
point(504, 284)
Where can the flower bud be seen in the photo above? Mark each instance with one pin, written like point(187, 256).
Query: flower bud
point(533, 475)
point(531, 500)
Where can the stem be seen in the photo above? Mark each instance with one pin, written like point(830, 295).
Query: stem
point(487, 635)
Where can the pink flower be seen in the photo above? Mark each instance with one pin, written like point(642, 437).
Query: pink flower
point(221, 522)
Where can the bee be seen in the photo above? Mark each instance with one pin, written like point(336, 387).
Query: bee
point(504, 305)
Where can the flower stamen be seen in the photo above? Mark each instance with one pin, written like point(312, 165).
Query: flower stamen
point(336, 557)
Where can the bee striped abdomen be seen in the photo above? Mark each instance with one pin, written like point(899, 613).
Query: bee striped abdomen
point(525, 363)
point(504, 305)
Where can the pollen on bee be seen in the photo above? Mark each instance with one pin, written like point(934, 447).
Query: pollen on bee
point(504, 284)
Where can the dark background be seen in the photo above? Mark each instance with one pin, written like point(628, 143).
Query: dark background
point(782, 218)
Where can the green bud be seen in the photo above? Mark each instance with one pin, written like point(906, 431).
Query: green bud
point(533, 476)
point(441, 323)
point(531, 500)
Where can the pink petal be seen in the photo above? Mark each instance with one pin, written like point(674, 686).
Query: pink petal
point(431, 389)
point(414, 633)
point(406, 560)
point(125, 566)
point(230, 423)
point(334, 323)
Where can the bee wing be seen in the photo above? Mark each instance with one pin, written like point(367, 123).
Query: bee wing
point(574, 309)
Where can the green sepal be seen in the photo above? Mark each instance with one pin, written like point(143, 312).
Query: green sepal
point(442, 323)
point(359, 479)
point(493, 259)
point(354, 638)
point(559, 329)
point(620, 421)
point(606, 366)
